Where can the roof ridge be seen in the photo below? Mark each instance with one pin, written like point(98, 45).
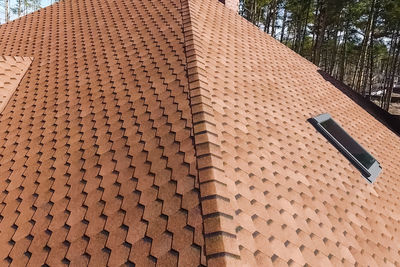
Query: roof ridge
point(216, 200)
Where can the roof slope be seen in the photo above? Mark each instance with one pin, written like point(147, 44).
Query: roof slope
point(174, 132)
point(286, 195)
point(12, 70)
point(97, 158)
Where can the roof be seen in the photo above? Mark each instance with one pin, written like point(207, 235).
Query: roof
point(174, 132)
point(12, 69)
point(98, 162)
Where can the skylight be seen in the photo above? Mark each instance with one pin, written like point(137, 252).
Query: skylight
point(353, 151)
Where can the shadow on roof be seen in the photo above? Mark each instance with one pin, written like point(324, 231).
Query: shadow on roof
point(390, 121)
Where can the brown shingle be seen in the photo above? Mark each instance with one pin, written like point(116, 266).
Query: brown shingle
point(174, 132)
point(12, 70)
point(294, 194)
point(99, 135)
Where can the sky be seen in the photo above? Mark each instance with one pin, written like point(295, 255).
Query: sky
point(43, 3)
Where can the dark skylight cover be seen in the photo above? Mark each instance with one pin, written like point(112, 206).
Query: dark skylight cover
point(357, 155)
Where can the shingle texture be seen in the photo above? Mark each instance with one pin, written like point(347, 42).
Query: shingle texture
point(295, 198)
point(173, 132)
point(97, 159)
point(12, 69)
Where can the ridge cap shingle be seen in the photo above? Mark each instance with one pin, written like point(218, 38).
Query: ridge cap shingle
point(216, 201)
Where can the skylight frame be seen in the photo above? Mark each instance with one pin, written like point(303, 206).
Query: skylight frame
point(371, 173)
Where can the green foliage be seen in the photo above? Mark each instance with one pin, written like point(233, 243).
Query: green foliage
point(391, 14)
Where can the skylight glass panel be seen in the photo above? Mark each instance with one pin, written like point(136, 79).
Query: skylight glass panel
point(357, 155)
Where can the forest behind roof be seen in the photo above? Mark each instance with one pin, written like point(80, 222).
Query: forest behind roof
point(355, 41)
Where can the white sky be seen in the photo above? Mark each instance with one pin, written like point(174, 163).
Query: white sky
point(12, 3)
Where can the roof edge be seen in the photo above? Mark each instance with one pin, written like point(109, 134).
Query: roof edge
point(217, 203)
point(390, 121)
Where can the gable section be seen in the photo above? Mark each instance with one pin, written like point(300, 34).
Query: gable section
point(296, 199)
point(12, 70)
point(97, 149)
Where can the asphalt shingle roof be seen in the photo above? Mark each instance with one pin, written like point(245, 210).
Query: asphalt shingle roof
point(12, 70)
point(174, 132)
point(286, 195)
point(98, 163)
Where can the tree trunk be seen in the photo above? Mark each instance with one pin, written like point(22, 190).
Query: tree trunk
point(273, 16)
point(387, 70)
point(334, 52)
point(326, 56)
point(298, 35)
point(385, 82)
point(371, 59)
point(260, 12)
point(19, 7)
point(320, 32)
point(343, 54)
point(7, 13)
point(393, 74)
point(266, 28)
point(283, 24)
point(364, 49)
point(316, 29)
point(252, 11)
point(368, 70)
point(305, 27)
